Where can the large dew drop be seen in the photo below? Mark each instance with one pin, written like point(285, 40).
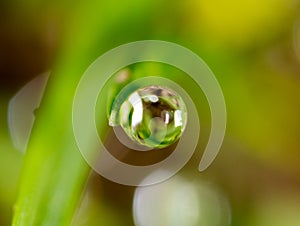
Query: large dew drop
point(153, 116)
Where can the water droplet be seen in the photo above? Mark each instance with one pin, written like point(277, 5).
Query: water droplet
point(153, 116)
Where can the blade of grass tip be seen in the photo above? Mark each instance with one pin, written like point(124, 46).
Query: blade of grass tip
point(54, 173)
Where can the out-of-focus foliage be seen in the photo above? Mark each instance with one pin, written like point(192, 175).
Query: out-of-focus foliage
point(241, 24)
point(252, 47)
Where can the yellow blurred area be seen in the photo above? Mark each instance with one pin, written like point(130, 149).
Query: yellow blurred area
point(240, 23)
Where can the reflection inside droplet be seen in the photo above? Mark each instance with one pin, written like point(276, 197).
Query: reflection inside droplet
point(153, 116)
point(180, 202)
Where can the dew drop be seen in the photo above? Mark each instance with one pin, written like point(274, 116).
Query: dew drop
point(153, 116)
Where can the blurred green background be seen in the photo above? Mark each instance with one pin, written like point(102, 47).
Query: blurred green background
point(253, 48)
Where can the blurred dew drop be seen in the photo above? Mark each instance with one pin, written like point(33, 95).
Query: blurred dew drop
point(21, 110)
point(153, 116)
point(180, 202)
